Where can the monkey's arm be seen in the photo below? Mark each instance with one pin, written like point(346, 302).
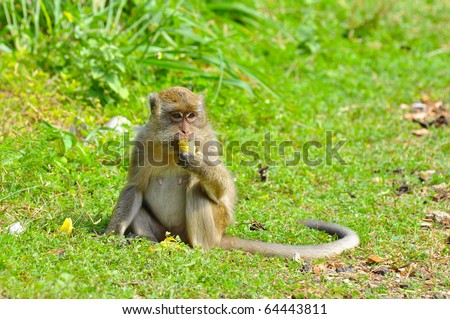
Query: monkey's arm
point(214, 177)
point(210, 199)
point(130, 201)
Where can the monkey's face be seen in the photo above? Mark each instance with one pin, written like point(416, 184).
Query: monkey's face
point(184, 125)
point(178, 124)
point(177, 115)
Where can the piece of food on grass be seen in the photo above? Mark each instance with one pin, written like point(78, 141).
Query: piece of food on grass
point(67, 226)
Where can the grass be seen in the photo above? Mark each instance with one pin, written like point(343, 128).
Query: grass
point(343, 67)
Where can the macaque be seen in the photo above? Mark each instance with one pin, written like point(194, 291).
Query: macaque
point(177, 184)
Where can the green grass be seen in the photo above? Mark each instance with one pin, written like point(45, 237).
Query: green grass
point(334, 66)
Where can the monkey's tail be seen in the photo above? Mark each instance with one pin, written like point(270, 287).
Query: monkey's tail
point(347, 239)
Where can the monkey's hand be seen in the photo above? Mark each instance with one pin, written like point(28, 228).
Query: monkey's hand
point(188, 154)
point(190, 160)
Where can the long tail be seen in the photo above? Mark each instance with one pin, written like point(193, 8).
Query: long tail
point(347, 240)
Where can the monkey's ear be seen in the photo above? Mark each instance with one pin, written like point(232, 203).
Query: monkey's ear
point(153, 103)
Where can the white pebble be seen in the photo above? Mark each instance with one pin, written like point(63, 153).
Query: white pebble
point(16, 228)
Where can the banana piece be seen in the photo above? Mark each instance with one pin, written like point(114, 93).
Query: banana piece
point(187, 146)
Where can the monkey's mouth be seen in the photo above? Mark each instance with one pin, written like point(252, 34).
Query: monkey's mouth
point(184, 137)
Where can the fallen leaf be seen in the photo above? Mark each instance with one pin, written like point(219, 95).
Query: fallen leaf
point(344, 269)
point(381, 270)
point(427, 113)
point(374, 259)
point(425, 99)
point(404, 106)
point(442, 195)
point(403, 189)
point(404, 286)
point(419, 107)
point(58, 252)
point(306, 267)
point(257, 226)
point(425, 176)
point(94, 222)
point(426, 225)
point(439, 217)
point(421, 132)
point(441, 120)
point(441, 186)
point(317, 269)
point(405, 270)
point(415, 116)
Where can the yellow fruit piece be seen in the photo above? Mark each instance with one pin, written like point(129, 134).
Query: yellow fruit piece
point(170, 242)
point(169, 239)
point(184, 146)
point(67, 226)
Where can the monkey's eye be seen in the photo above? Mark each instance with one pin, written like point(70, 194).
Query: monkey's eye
point(176, 116)
point(191, 116)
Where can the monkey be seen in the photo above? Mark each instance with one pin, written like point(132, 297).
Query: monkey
point(187, 191)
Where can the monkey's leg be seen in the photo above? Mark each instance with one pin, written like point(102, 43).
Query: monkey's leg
point(144, 224)
point(201, 224)
point(130, 201)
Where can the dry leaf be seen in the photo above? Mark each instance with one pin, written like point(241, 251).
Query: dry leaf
point(425, 225)
point(425, 98)
point(415, 116)
point(425, 176)
point(374, 259)
point(317, 269)
point(419, 107)
point(421, 132)
point(94, 222)
point(427, 113)
point(441, 186)
point(404, 106)
point(439, 217)
point(380, 270)
point(257, 226)
point(58, 251)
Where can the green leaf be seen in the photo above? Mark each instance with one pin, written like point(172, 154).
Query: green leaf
point(68, 139)
point(120, 65)
point(97, 73)
point(114, 83)
point(5, 48)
